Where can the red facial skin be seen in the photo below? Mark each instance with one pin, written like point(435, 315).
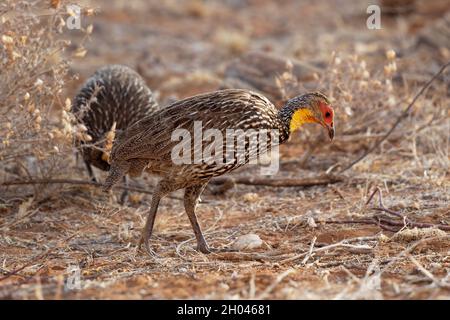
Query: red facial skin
point(328, 118)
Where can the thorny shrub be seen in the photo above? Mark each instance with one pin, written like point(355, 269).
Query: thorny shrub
point(36, 127)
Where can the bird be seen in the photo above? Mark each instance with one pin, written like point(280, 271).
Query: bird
point(113, 98)
point(149, 144)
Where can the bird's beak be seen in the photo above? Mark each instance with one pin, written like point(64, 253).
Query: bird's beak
point(330, 129)
point(331, 132)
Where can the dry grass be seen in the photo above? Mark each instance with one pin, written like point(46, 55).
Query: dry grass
point(319, 242)
point(37, 128)
point(32, 79)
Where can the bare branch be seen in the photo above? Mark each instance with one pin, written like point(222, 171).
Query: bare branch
point(280, 182)
point(76, 182)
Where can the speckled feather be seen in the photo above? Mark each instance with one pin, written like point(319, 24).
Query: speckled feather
point(150, 138)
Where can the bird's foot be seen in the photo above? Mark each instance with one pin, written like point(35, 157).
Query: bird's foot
point(204, 248)
point(144, 241)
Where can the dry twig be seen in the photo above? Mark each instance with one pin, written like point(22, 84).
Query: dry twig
point(405, 221)
point(280, 182)
point(341, 244)
point(388, 223)
point(34, 260)
point(77, 182)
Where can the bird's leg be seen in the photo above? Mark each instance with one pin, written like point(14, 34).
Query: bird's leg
point(148, 228)
point(191, 196)
point(124, 195)
point(136, 168)
point(163, 188)
point(90, 171)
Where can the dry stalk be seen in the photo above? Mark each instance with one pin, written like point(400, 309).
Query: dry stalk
point(341, 244)
point(78, 182)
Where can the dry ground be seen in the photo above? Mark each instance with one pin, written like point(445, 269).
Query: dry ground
point(184, 47)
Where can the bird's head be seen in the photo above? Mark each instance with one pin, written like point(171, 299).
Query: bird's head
point(311, 107)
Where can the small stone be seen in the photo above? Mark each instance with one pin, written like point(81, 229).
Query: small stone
point(311, 223)
point(383, 238)
point(251, 197)
point(248, 241)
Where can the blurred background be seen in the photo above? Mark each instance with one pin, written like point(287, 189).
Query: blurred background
point(318, 241)
point(187, 47)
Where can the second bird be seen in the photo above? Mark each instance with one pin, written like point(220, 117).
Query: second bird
point(116, 96)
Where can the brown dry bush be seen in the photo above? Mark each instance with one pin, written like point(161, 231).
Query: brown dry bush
point(372, 100)
point(368, 98)
point(36, 128)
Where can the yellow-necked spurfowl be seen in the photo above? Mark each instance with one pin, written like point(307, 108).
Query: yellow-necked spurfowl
point(149, 143)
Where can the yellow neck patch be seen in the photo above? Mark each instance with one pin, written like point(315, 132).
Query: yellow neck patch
point(300, 117)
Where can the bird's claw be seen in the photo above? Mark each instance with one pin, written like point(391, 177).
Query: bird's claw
point(204, 248)
point(146, 249)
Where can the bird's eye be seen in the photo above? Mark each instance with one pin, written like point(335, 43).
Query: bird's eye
point(327, 114)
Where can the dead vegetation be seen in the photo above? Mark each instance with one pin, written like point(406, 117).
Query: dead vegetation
point(366, 217)
point(32, 78)
point(37, 128)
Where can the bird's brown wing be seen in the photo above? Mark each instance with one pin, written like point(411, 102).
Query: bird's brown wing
point(151, 137)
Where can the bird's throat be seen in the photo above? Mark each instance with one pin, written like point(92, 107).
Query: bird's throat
point(299, 118)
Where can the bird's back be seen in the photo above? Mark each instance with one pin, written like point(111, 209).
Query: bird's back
point(155, 136)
